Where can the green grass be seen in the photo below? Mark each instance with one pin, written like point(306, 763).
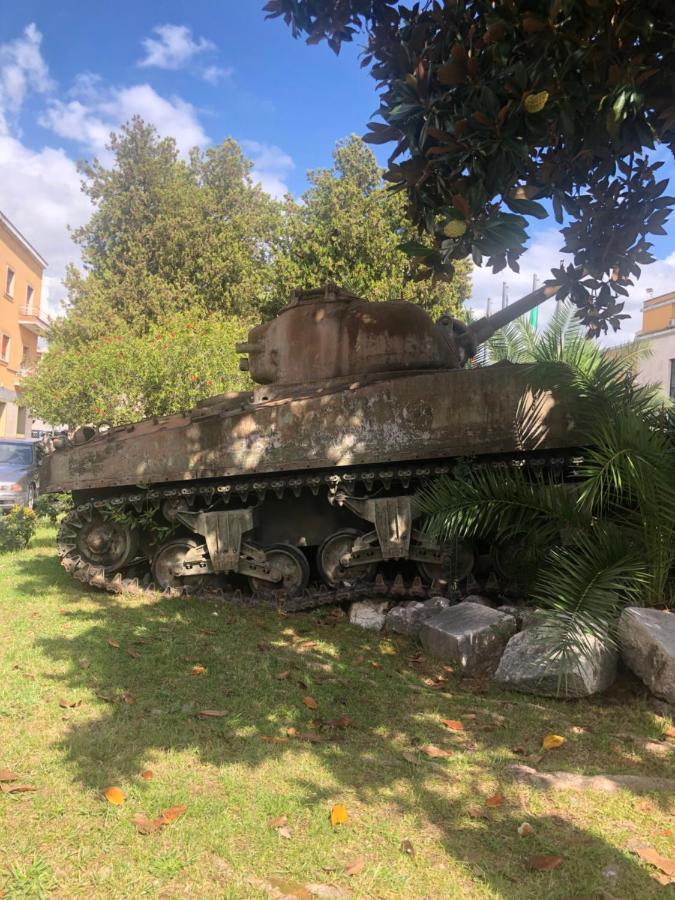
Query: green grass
point(65, 840)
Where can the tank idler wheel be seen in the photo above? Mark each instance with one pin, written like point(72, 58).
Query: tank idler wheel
point(167, 559)
point(106, 543)
point(294, 568)
point(328, 560)
point(459, 560)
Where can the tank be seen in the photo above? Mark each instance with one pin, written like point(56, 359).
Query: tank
point(303, 490)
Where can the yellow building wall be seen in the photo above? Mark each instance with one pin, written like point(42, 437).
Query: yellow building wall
point(23, 341)
point(658, 313)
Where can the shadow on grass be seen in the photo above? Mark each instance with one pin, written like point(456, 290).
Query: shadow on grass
point(379, 684)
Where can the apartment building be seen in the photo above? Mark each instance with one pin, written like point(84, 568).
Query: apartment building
point(21, 323)
point(658, 329)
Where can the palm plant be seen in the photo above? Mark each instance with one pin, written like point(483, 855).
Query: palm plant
point(608, 537)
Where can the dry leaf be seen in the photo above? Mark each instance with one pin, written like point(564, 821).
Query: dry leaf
point(8, 775)
point(356, 866)
point(283, 676)
point(198, 670)
point(133, 653)
point(147, 775)
point(452, 724)
point(211, 714)
point(112, 643)
point(552, 741)
point(17, 788)
point(338, 815)
point(477, 812)
point(411, 758)
point(650, 855)
point(407, 847)
point(342, 722)
point(435, 752)
point(114, 795)
point(279, 822)
point(129, 698)
point(172, 813)
point(545, 863)
point(310, 702)
point(285, 832)
point(145, 825)
point(375, 664)
point(495, 800)
point(525, 829)
point(69, 704)
point(107, 697)
point(291, 732)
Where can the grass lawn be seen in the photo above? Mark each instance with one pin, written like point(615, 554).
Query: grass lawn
point(139, 671)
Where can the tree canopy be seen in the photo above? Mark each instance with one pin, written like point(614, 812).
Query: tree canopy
point(496, 107)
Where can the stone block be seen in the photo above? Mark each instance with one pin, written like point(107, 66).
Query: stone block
point(434, 605)
point(469, 635)
point(527, 667)
point(369, 614)
point(479, 599)
point(405, 619)
point(647, 639)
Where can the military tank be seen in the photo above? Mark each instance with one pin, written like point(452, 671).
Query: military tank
point(303, 489)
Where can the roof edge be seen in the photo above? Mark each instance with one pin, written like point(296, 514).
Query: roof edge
point(14, 231)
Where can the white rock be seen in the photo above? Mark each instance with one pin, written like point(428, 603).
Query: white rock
point(647, 639)
point(469, 635)
point(369, 614)
point(406, 618)
point(527, 667)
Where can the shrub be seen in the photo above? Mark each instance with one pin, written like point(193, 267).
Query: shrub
point(51, 506)
point(17, 528)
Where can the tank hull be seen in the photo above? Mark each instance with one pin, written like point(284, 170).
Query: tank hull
point(427, 415)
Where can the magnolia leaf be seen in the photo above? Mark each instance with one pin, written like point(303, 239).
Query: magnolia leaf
point(338, 815)
point(552, 741)
point(211, 714)
point(356, 866)
point(310, 702)
point(114, 795)
point(147, 775)
point(8, 775)
point(495, 800)
point(452, 724)
point(545, 863)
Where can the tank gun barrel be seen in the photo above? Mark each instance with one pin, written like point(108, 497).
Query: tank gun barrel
point(484, 328)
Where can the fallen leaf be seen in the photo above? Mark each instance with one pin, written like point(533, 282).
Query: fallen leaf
point(411, 758)
point(342, 722)
point(112, 643)
point(129, 698)
point(285, 832)
point(544, 863)
point(310, 702)
point(669, 732)
point(552, 741)
point(356, 866)
point(198, 670)
point(103, 696)
point(114, 795)
point(291, 732)
point(435, 752)
point(452, 724)
point(495, 800)
point(211, 714)
point(338, 815)
point(8, 775)
point(279, 822)
point(283, 676)
point(145, 825)
point(133, 653)
point(525, 829)
point(69, 704)
point(477, 812)
point(650, 855)
point(375, 664)
point(172, 813)
point(302, 685)
point(17, 788)
point(407, 847)
point(147, 775)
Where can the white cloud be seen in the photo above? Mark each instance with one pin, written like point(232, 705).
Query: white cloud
point(22, 68)
point(539, 258)
point(271, 166)
point(89, 120)
point(216, 74)
point(173, 48)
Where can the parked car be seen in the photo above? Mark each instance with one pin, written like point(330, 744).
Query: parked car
point(19, 481)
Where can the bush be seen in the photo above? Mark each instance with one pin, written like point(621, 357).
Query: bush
point(51, 506)
point(17, 528)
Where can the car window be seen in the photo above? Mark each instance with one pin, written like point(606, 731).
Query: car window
point(16, 454)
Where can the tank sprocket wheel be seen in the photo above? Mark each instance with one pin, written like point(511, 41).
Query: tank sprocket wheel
point(165, 561)
point(328, 558)
point(457, 565)
point(106, 543)
point(294, 568)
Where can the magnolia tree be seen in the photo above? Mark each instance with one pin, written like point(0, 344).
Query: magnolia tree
point(493, 108)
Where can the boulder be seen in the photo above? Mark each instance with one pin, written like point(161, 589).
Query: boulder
point(526, 666)
point(434, 605)
point(647, 639)
point(405, 619)
point(369, 614)
point(479, 599)
point(469, 635)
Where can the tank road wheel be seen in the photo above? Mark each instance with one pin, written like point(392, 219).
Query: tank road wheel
point(458, 563)
point(168, 558)
point(293, 566)
point(328, 560)
point(103, 542)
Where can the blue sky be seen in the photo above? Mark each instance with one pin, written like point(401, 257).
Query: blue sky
point(70, 72)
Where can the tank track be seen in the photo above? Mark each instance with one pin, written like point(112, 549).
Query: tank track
point(312, 597)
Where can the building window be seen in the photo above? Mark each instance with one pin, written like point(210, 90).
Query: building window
point(21, 420)
point(30, 293)
point(672, 378)
point(4, 348)
point(9, 282)
point(25, 357)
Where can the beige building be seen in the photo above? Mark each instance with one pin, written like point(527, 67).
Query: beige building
point(658, 328)
point(21, 323)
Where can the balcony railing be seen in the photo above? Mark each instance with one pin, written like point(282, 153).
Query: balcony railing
point(32, 320)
